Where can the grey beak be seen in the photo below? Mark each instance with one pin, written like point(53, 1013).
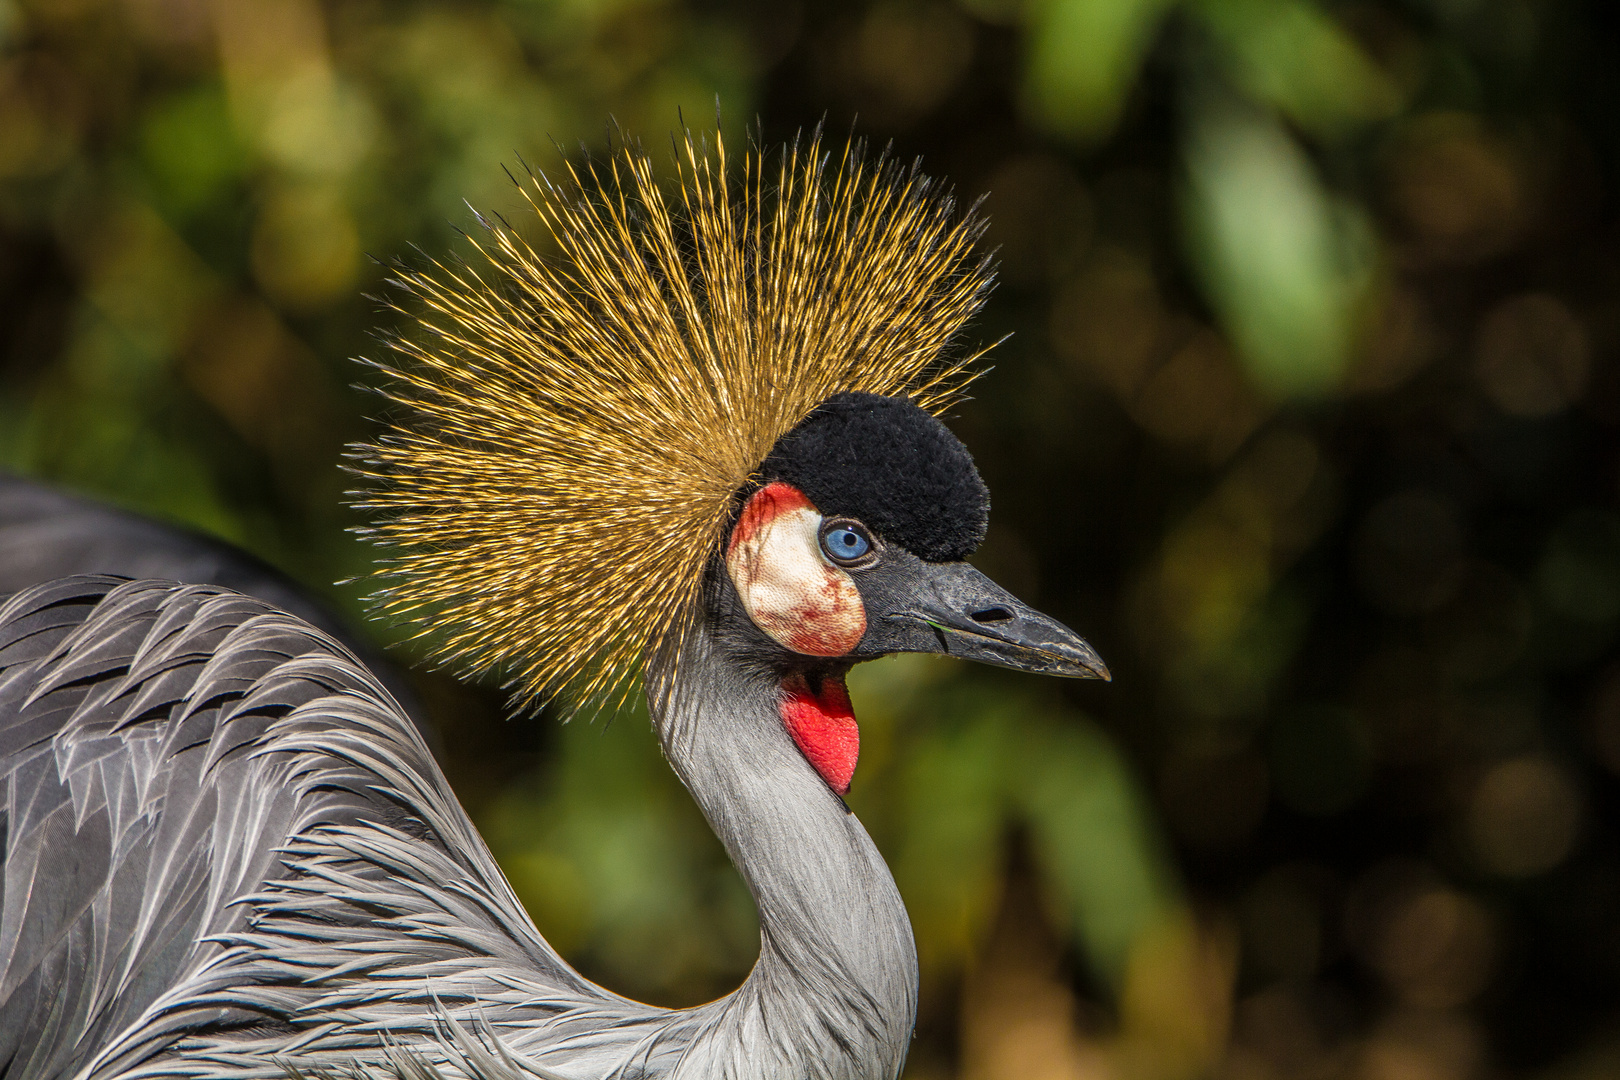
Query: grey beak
point(952, 608)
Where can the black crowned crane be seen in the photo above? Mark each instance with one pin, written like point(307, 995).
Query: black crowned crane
point(690, 437)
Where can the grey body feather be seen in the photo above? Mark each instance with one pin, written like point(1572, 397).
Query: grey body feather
point(227, 853)
point(47, 534)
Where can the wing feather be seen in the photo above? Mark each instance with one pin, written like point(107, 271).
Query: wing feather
point(222, 839)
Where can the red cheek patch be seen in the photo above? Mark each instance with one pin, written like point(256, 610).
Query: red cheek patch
point(789, 589)
point(823, 726)
point(765, 506)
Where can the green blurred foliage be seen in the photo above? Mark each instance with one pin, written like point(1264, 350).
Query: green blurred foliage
point(1284, 263)
point(1308, 422)
point(1083, 59)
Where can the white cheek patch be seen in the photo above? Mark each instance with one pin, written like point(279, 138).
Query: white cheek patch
point(787, 586)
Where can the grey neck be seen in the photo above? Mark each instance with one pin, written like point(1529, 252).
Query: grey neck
point(834, 993)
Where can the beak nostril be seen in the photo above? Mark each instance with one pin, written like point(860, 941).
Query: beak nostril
point(990, 615)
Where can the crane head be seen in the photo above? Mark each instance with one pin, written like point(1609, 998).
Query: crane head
point(852, 544)
point(742, 368)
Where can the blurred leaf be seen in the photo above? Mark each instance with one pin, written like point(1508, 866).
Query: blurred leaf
point(190, 149)
point(1093, 833)
point(979, 763)
point(1294, 57)
point(10, 20)
point(953, 820)
point(1083, 60)
point(1283, 263)
point(306, 248)
point(318, 126)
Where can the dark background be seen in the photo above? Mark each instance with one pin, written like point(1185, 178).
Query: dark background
point(1307, 421)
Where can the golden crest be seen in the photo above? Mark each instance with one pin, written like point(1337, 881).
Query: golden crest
point(571, 430)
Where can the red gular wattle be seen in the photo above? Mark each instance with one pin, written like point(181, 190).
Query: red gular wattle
point(822, 723)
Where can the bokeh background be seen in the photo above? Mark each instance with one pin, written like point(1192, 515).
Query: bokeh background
point(1307, 420)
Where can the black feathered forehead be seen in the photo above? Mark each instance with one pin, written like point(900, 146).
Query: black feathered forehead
point(891, 465)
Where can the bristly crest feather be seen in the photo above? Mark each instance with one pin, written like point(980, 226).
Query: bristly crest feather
point(573, 429)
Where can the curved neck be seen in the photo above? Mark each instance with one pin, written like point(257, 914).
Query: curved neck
point(834, 992)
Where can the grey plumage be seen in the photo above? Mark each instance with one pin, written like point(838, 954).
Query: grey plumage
point(227, 853)
point(47, 534)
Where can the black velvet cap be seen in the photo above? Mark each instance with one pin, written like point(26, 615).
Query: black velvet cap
point(892, 466)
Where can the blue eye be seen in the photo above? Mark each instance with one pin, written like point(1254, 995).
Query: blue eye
point(845, 542)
